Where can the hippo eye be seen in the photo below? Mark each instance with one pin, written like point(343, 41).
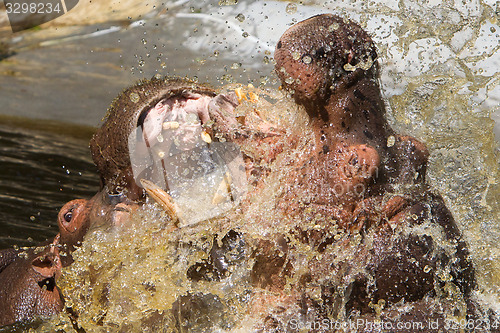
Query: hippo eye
point(68, 216)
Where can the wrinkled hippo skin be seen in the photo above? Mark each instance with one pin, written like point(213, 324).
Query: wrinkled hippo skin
point(28, 288)
point(28, 284)
point(362, 183)
point(329, 66)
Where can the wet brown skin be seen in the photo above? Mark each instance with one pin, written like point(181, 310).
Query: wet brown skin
point(329, 66)
point(28, 288)
point(28, 284)
point(351, 171)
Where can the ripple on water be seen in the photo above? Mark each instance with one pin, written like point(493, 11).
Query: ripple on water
point(40, 170)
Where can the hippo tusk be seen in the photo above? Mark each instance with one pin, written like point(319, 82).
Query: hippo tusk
point(162, 198)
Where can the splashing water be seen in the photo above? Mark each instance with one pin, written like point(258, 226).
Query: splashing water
point(440, 82)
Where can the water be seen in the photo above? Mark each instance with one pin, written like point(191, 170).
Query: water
point(439, 74)
point(43, 166)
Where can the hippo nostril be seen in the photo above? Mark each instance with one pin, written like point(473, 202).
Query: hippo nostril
point(114, 199)
point(49, 283)
point(68, 216)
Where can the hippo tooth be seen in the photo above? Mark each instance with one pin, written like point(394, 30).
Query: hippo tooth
point(162, 198)
point(223, 190)
point(206, 137)
point(170, 125)
point(240, 95)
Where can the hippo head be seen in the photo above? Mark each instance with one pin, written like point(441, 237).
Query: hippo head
point(172, 135)
point(135, 108)
point(319, 54)
point(28, 285)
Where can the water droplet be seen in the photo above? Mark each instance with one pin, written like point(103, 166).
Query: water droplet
point(235, 65)
point(295, 55)
point(289, 80)
point(391, 141)
point(291, 8)
point(265, 60)
point(32, 218)
point(134, 97)
point(240, 17)
point(206, 137)
point(141, 63)
point(245, 34)
point(163, 65)
point(427, 269)
point(216, 53)
point(144, 41)
point(306, 59)
point(227, 2)
point(333, 27)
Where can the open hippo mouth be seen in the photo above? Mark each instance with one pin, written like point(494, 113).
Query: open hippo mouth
point(172, 150)
point(179, 149)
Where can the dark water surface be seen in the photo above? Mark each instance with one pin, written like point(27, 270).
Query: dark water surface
point(42, 166)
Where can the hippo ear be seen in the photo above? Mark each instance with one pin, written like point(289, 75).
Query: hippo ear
point(6, 257)
point(47, 265)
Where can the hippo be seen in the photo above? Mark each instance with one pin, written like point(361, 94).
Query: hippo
point(356, 187)
point(362, 185)
point(28, 277)
point(357, 184)
point(28, 283)
point(365, 179)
